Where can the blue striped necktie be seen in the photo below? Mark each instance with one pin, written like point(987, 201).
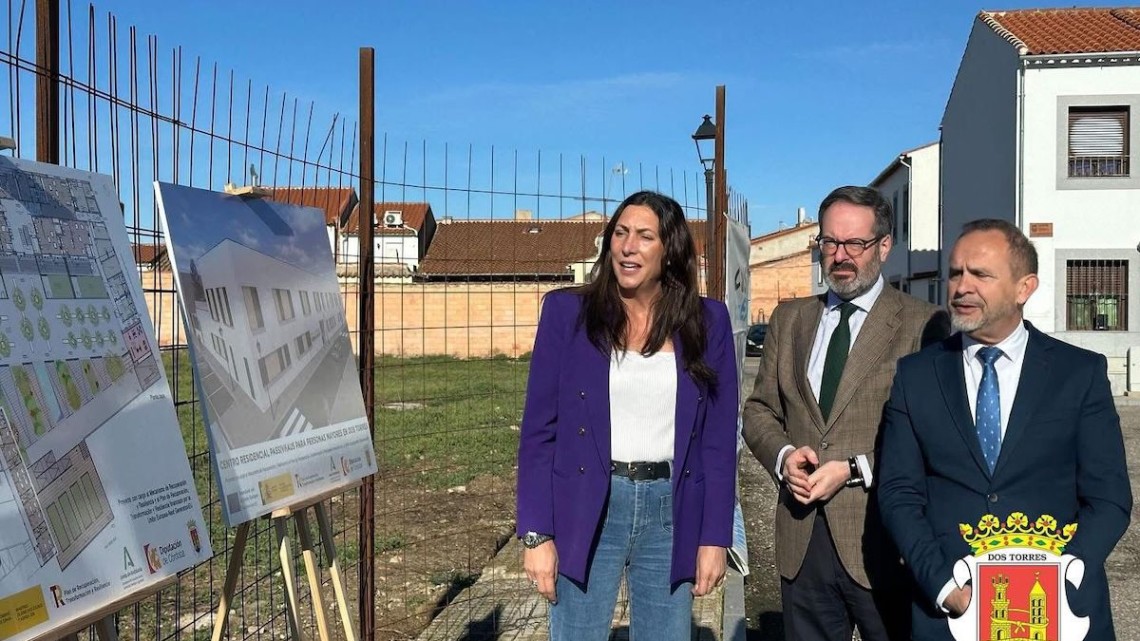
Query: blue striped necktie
point(988, 410)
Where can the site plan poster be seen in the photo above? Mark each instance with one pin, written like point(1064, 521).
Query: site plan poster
point(270, 347)
point(96, 496)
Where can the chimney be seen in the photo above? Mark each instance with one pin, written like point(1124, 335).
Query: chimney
point(800, 216)
point(523, 214)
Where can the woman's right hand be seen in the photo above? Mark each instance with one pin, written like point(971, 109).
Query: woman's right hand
point(541, 565)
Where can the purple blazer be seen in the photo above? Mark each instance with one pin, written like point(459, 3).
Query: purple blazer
point(564, 447)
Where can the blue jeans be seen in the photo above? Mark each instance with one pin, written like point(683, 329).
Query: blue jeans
point(637, 538)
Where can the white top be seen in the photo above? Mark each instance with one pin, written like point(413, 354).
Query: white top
point(643, 403)
point(827, 324)
point(1007, 366)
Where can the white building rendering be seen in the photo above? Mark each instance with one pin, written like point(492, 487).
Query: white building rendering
point(263, 322)
point(1038, 131)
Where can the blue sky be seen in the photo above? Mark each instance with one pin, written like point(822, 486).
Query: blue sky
point(819, 94)
point(199, 220)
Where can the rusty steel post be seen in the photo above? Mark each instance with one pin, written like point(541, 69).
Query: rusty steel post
point(47, 81)
point(716, 233)
point(366, 325)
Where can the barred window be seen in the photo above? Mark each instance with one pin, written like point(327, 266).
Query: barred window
point(1098, 142)
point(1097, 295)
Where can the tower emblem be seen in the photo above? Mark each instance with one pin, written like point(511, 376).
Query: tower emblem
point(1018, 571)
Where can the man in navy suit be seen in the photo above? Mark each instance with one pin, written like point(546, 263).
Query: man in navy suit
point(1000, 418)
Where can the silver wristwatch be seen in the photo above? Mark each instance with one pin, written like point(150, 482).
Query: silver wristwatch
point(531, 540)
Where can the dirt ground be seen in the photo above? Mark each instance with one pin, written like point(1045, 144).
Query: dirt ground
point(431, 544)
point(761, 588)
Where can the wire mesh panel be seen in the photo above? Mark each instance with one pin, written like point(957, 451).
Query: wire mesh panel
point(140, 112)
point(454, 328)
point(466, 242)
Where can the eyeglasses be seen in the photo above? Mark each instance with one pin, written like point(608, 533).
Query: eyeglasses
point(855, 246)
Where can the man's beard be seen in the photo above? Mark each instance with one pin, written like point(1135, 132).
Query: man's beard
point(987, 314)
point(863, 281)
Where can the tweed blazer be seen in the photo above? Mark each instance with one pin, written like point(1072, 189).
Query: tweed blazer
point(782, 410)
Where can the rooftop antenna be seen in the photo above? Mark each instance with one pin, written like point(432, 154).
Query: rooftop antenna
point(618, 170)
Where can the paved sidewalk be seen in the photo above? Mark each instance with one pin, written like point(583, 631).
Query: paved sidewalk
point(502, 606)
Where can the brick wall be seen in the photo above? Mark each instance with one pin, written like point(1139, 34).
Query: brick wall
point(777, 280)
point(467, 320)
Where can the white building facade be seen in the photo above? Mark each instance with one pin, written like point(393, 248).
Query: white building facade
point(1038, 131)
point(910, 183)
point(263, 321)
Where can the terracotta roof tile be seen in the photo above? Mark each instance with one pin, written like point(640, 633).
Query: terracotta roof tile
point(1053, 31)
point(509, 247)
point(146, 253)
point(335, 202)
point(414, 214)
point(517, 247)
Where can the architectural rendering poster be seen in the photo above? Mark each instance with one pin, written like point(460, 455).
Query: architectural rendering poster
point(96, 496)
point(270, 348)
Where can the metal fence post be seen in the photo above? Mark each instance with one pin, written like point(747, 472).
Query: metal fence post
point(366, 339)
point(47, 81)
point(716, 232)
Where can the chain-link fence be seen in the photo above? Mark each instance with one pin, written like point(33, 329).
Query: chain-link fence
point(466, 243)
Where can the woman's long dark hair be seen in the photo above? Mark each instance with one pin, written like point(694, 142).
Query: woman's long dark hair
point(678, 309)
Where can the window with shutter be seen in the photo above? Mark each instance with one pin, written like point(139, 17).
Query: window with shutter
point(1096, 295)
point(1098, 142)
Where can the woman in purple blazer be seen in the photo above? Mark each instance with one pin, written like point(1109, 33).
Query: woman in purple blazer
point(627, 458)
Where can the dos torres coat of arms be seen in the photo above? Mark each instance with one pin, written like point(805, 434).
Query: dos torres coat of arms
point(1018, 571)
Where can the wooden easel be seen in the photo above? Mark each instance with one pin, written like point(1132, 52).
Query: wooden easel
point(279, 517)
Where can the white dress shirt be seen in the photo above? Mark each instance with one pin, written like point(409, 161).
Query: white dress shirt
point(1007, 366)
point(1008, 369)
point(827, 324)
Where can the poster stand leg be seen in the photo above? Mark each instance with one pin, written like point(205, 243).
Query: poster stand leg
point(285, 554)
point(232, 572)
point(280, 517)
point(314, 573)
point(104, 629)
point(334, 570)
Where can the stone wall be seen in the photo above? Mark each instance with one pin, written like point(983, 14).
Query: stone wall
point(466, 320)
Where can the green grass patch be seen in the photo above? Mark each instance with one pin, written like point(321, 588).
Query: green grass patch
point(457, 419)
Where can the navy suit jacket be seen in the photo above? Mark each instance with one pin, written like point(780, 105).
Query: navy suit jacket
point(564, 446)
point(1062, 455)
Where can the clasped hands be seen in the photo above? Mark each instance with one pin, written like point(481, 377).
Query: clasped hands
point(808, 481)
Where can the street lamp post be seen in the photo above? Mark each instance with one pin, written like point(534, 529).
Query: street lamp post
point(705, 139)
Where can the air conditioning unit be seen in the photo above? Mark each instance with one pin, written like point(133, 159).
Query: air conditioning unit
point(393, 219)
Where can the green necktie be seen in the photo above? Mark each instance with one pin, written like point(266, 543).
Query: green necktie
point(836, 358)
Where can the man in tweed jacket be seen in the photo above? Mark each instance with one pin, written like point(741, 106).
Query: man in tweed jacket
point(813, 418)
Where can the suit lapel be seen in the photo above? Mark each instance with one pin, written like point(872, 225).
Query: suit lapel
point(1032, 385)
point(875, 336)
point(685, 414)
point(952, 381)
point(596, 386)
point(806, 326)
